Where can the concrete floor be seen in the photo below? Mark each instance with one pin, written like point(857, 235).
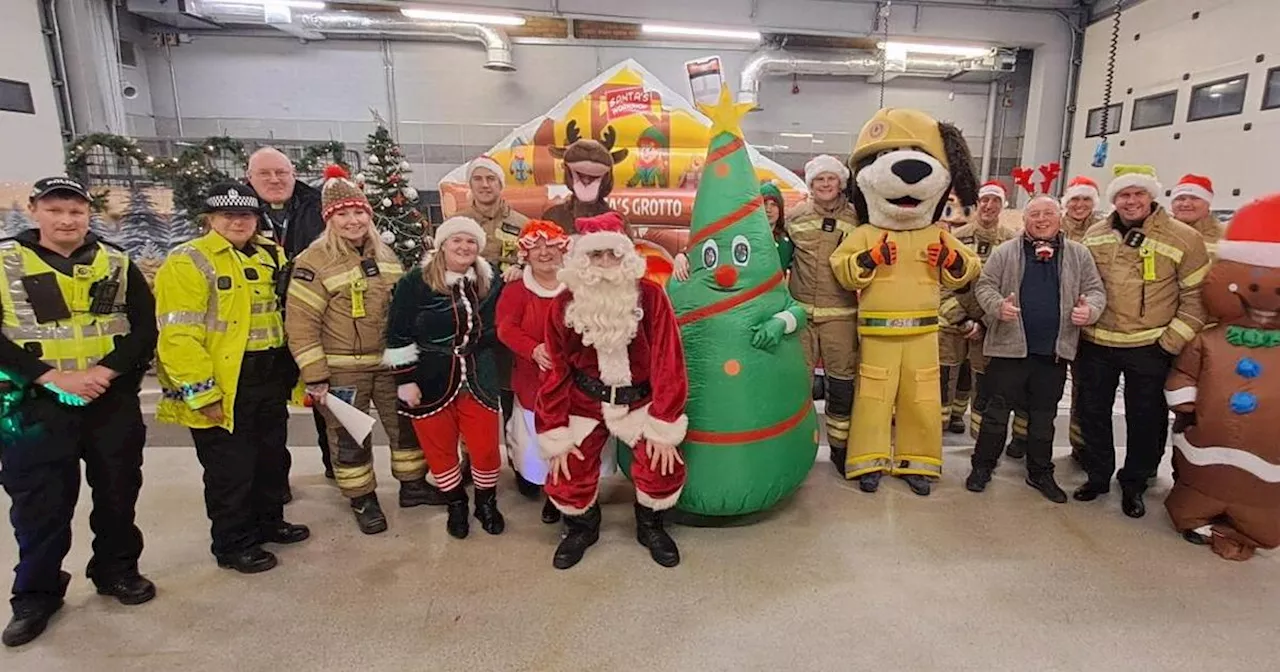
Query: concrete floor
point(833, 580)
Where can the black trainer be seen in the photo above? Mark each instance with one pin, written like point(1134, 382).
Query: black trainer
point(368, 513)
point(977, 480)
point(31, 618)
point(1048, 487)
point(130, 590)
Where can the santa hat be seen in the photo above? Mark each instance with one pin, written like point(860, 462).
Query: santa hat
point(1253, 237)
point(456, 225)
point(820, 165)
point(1081, 187)
point(541, 229)
point(340, 192)
point(602, 232)
point(487, 162)
point(994, 188)
point(1133, 176)
point(1194, 185)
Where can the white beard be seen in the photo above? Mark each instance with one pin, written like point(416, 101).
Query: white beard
point(587, 193)
point(605, 311)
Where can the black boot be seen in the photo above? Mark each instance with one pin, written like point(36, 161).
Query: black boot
point(921, 485)
point(1090, 491)
point(870, 482)
point(457, 524)
point(487, 512)
point(550, 514)
point(1048, 487)
point(1017, 449)
point(651, 535)
point(956, 426)
point(420, 493)
point(1131, 502)
point(369, 514)
point(837, 458)
point(977, 480)
point(583, 531)
point(527, 488)
point(30, 619)
point(284, 533)
point(129, 590)
point(250, 561)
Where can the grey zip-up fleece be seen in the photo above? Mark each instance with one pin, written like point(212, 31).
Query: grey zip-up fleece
point(1002, 276)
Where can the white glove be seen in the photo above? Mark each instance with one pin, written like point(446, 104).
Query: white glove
point(409, 394)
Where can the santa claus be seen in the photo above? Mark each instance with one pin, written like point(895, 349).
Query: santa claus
point(617, 369)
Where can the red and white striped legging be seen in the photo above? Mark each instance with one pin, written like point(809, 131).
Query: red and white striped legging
point(438, 435)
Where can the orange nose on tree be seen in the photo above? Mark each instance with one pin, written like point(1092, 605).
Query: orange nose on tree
point(726, 276)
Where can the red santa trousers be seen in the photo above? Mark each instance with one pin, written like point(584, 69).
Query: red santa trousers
point(574, 495)
point(438, 435)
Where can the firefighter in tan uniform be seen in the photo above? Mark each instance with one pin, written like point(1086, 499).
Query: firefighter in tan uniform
point(961, 334)
point(335, 319)
point(1191, 201)
point(1080, 204)
point(816, 228)
point(1152, 266)
point(501, 223)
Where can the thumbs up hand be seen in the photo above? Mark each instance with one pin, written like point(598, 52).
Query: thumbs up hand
point(1081, 313)
point(1009, 310)
point(884, 253)
point(941, 255)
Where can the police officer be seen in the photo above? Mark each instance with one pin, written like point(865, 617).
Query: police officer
point(227, 374)
point(78, 334)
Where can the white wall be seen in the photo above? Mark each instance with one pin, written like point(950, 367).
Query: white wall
point(1223, 42)
point(30, 144)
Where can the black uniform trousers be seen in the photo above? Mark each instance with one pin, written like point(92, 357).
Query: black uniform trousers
point(1098, 369)
point(1033, 384)
point(246, 472)
point(40, 454)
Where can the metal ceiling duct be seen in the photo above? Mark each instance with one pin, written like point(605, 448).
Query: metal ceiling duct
point(776, 62)
point(355, 25)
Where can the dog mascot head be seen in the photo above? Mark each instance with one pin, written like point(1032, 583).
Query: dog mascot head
point(904, 164)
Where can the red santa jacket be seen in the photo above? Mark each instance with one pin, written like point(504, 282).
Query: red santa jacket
point(522, 326)
point(565, 415)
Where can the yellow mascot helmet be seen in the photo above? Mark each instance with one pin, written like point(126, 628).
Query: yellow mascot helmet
point(893, 128)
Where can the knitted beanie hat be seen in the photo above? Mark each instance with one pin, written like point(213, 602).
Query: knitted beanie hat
point(340, 192)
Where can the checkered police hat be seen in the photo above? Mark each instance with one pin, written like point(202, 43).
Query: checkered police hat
point(232, 197)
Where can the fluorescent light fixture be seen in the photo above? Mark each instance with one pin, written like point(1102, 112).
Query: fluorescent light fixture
point(463, 17)
point(691, 31)
point(819, 142)
point(795, 135)
point(939, 49)
point(291, 4)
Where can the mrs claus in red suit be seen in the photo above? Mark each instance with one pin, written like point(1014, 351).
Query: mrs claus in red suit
point(617, 368)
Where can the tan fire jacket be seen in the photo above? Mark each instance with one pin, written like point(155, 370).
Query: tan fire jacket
point(1211, 230)
point(959, 305)
point(816, 233)
point(1075, 229)
point(502, 231)
point(336, 311)
point(1153, 282)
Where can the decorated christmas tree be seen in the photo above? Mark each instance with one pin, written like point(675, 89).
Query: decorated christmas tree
point(141, 224)
point(753, 432)
point(394, 200)
point(100, 227)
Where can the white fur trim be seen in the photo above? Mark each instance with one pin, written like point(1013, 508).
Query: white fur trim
point(822, 164)
point(555, 442)
point(658, 504)
point(789, 319)
point(626, 424)
point(489, 164)
point(603, 240)
point(615, 366)
point(1151, 184)
point(451, 278)
point(455, 225)
point(1182, 395)
point(1230, 457)
point(1191, 190)
point(572, 510)
point(1250, 252)
point(532, 285)
point(1080, 190)
point(402, 356)
point(671, 433)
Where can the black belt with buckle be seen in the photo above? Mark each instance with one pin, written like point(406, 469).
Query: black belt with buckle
point(613, 395)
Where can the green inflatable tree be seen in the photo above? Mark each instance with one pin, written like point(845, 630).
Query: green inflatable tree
point(753, 433)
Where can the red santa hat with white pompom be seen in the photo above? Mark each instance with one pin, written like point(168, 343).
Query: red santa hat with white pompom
point(1081, 187)
point(606, 231)
point(1253, 237)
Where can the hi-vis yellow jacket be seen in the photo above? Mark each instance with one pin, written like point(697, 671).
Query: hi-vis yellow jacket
point(901, 299)
point(209, 318)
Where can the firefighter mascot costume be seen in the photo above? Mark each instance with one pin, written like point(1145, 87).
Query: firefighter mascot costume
point(904, 163)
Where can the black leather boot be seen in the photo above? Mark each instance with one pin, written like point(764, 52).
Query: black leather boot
point(487, 512)
point(1048, 487)
point(458, 525)
point(583, 532)
point(550, 514)
point(651, 535)
point(368, 512)
point(31, 618)
point(870, 482)
point(129, 590)
point(284, 533)
point(921, 485)
point(1091, 491)
point(420, 493)
point(1131, 502)
point(249, 561)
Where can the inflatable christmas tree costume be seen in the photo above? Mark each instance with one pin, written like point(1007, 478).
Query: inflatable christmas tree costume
point(753, 432)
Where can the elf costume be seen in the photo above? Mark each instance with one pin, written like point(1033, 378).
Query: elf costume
point(1223, 389)
point(752, 429)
